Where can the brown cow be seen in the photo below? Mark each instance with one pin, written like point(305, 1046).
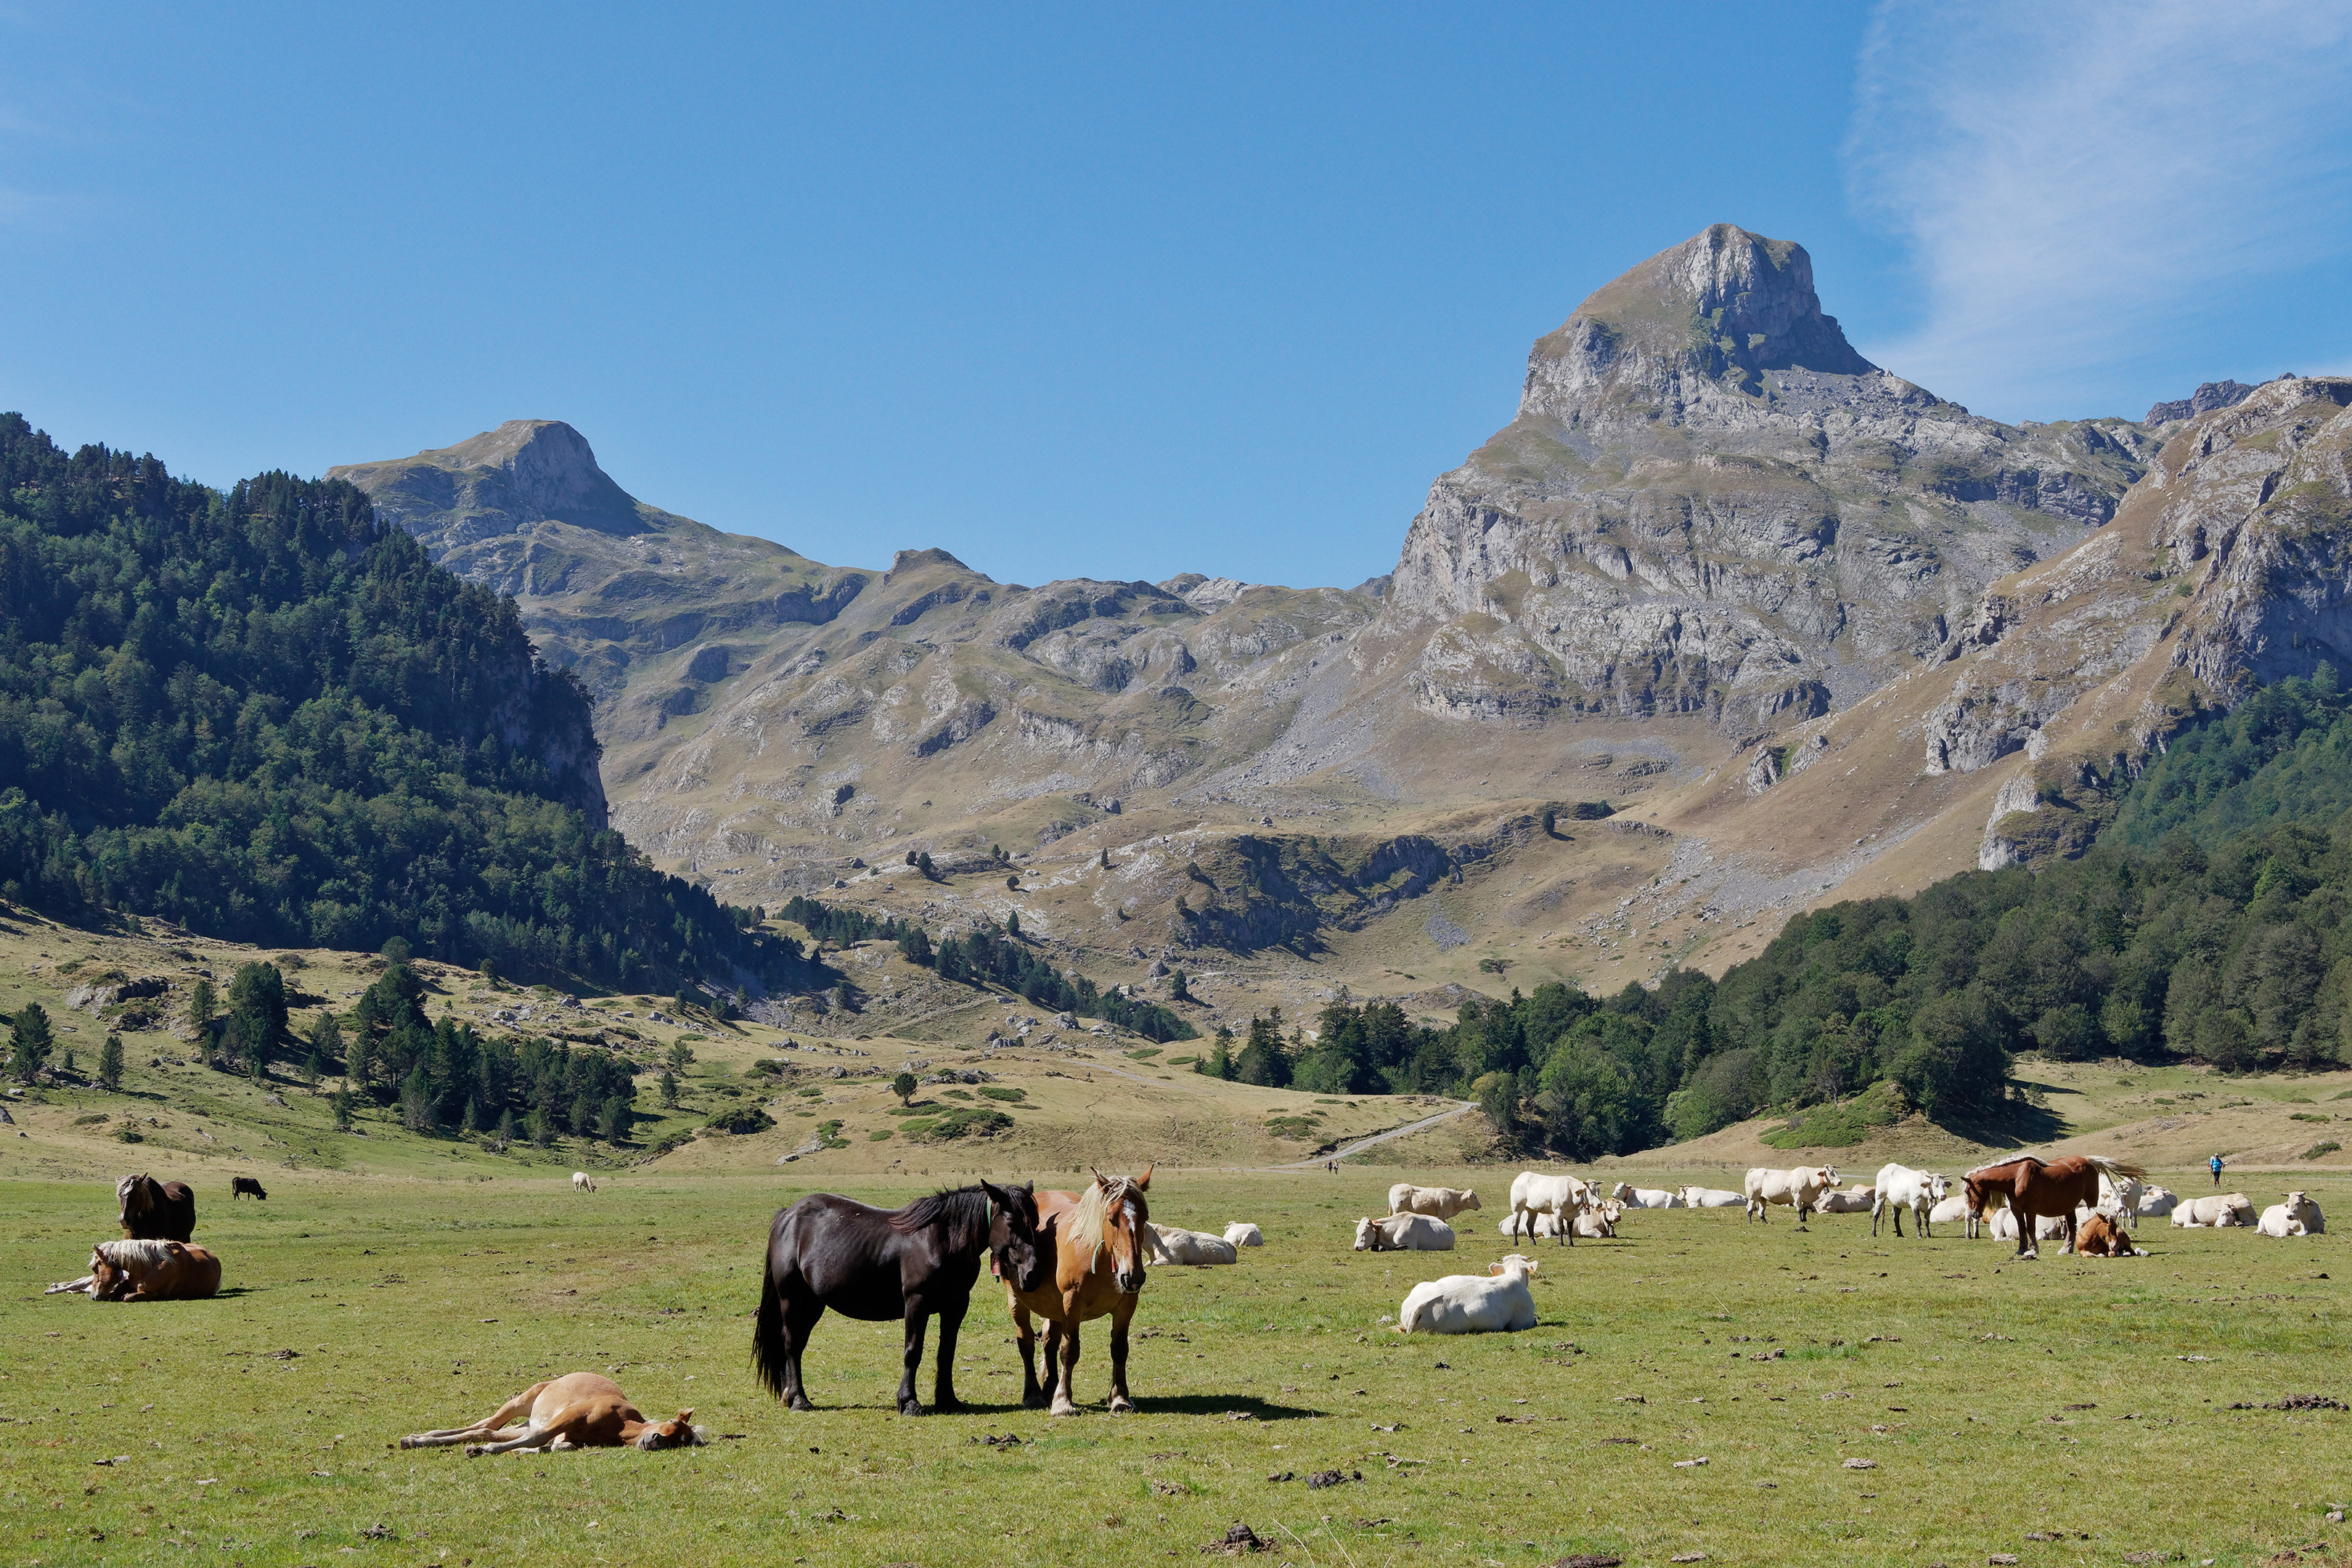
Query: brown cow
point(578, 1410)
point(150, 1270)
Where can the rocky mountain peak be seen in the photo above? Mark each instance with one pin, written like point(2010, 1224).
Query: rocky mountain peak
point(501, 481)
point(1724, 306)
point(2208, 396)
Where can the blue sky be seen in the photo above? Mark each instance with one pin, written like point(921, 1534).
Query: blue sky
point(1100, 292)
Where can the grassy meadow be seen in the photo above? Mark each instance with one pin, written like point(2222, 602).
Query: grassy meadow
point(2066, 1411)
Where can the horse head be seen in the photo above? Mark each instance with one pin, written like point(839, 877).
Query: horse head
point(1013, 1235)
point(105, 1278)
point(1125, 1211)
point(680, 1432)
point(135, 1195)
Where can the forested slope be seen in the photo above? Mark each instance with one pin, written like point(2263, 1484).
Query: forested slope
point(2210, 921)
point(257, 713)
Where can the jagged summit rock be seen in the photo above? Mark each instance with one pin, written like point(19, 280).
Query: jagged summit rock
point(1709, 504)
point(499, 482)
point(1724, 306)
point(2208, 396)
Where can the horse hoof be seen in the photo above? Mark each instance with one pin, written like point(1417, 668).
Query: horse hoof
point(910, 1408)
point(473, 1450)
point(800, 1403)
point(1032, 1402)
point(1064, 1407)
point(1122, 1406)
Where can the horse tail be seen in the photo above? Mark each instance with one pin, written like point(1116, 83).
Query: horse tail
point(2116, 1170)
point(768, 1332)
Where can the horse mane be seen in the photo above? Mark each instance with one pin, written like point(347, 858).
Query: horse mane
point(119, 1253)
point(1091, 1216)
point(963, 1211)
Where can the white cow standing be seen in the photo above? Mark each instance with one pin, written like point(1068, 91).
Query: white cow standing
point(1534, 1193)
point(2121, 1197)
point(1800, 1189)
point(1404, 1233)
point(1498, 1303)
point(581, 1183)
point(2296, 1216)
point(1443, 1203)
point(1900, 1187)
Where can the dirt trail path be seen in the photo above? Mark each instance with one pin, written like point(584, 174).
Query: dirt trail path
point(1360, 1144)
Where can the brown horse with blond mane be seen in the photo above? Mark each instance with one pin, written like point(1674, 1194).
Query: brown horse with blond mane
point(2036, 1188)
point(1097, 1240)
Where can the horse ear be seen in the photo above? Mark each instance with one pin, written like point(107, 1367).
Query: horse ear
point(1143, 1182)
point(685, 1415)
point(1100, 1180)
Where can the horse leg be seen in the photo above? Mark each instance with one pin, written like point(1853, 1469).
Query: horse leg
point(517, 1409)
point(943, 1394)
point(799, 1322)
point(1067, 1372)
point(1024, 1334)
point(1120, 1404)
point(917, 1317)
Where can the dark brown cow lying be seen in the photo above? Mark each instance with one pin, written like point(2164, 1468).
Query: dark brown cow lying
point(2101, 1236)
point(578, 1410)
point(152, 1271)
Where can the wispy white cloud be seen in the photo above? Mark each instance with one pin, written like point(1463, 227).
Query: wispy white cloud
point(2076, 180)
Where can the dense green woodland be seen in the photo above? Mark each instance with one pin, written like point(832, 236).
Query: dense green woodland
point(2209, 921)
point(257, 713)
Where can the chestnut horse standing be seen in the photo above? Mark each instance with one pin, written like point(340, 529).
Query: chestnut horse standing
point(1097, 1240)
point(2036, 1188)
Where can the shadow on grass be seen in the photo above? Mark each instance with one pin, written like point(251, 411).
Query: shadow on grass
point(1224, 1405)
point(2015, 1123)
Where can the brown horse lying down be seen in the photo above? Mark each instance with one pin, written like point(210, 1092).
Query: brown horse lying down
point(2101, 1236)
point(152, 1271)
point(578, 1410)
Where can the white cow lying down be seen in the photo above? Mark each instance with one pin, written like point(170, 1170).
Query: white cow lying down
point(2046, 1226)
point(2296, 1216)
point(1855, 1199)
point(1404, 1233)
point(2155, 1203)
point(1498, 1303)
point(1176, 1245)
point(1241, 1233)
point(2227, 1209)
point(1653, 1198)
point(1546, 1225)
point(1712, 1198)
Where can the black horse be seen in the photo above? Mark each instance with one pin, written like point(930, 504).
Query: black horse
point(876, 1264)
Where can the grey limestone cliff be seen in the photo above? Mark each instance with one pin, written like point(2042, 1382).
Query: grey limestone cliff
point(1710, 504)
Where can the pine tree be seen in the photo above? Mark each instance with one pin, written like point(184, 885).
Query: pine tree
point(1178, 989)
point(343, 1106)
point(904, 1087)
point(670, 1088)
point(202, 1007)
point(505, 1134)
point(110, 1063)
point(1013, 924)
point(29, 1042)
point(680, 1055)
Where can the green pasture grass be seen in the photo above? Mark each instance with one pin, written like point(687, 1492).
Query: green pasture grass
point(2090, 1402)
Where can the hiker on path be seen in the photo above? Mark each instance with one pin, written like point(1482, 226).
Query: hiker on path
point(2216, 1163)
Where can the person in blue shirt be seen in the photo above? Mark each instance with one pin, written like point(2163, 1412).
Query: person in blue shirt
point(2216, 1163)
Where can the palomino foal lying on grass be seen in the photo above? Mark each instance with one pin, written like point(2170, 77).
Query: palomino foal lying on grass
point(578, 1410)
